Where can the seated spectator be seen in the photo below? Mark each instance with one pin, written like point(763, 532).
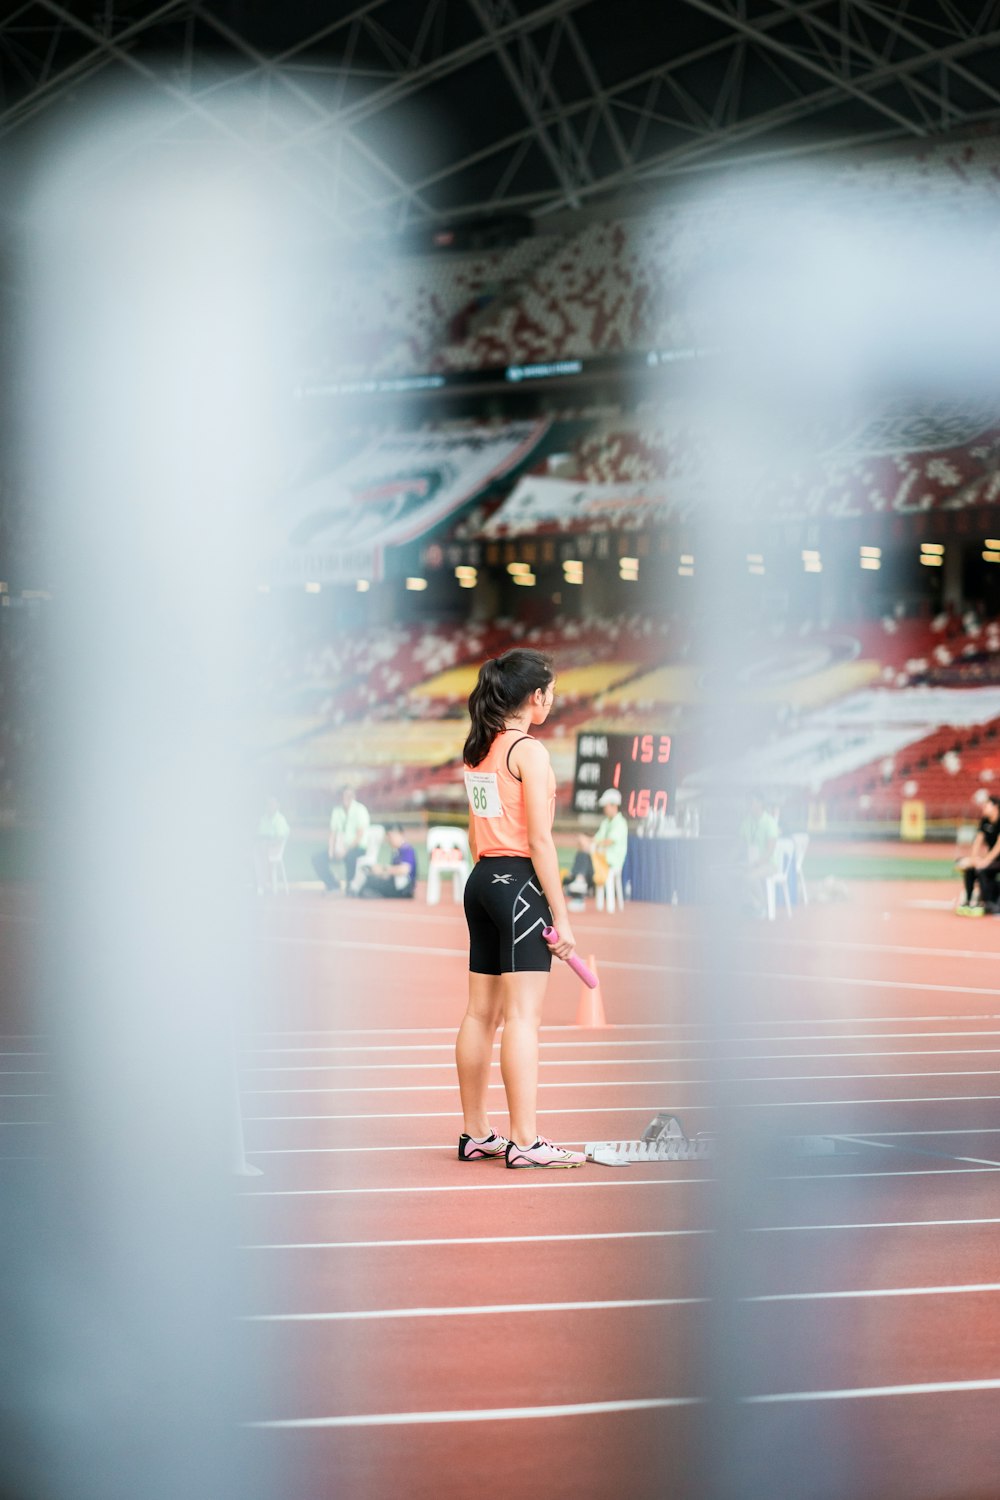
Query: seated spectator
point(349, 823)
point(272, 831)
point(759, 837)
point(398, 879)
point(982, 864)
point(610, 843)
point(580, 880)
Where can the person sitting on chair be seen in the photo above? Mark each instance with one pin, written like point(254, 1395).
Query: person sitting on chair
point(982, 863)
point(759, 835)
point(580, 880)
point(398, 879)
point(610, 842)
point(349, 825)
point(272, 831)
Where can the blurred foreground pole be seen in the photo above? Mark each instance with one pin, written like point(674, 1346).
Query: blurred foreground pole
point(149, 373)
point(833, 319)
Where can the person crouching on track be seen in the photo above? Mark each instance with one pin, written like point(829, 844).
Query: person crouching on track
point(513, 892)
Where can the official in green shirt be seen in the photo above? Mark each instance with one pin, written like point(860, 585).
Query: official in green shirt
point(759, 833)
point(349, 824)
point(611, 838)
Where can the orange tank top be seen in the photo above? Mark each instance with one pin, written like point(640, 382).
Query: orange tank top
point(496, 799)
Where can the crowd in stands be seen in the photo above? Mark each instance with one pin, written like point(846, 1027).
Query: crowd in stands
point(607, 287)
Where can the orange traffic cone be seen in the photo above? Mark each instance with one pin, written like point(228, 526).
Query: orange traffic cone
point(590, 1011)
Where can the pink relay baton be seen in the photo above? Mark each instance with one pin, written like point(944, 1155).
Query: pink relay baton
point(576, 964)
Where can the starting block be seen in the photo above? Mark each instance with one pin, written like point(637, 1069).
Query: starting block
point(662, 1140)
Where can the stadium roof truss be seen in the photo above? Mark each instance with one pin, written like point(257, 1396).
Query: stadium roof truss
point(394, 113)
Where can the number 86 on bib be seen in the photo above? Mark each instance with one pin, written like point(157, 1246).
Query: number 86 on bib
point(484, 794)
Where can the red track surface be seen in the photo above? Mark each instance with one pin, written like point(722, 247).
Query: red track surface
point(421, 1306)
point(875, 1016)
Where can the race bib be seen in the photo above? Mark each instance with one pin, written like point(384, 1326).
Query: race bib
point(484, 795)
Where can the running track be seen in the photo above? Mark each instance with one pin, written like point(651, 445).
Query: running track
point(456, 1330)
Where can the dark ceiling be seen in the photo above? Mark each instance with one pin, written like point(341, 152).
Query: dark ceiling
point(409, 111)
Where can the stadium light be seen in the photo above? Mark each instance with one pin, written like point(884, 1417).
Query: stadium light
point(525, 580)
point(933, 549)
point(416, 585)
point(363, 585)
point(871, 551)
point(992, 555)
point(517, 569)
point(931, 559)
point(685, 571)
point(813, 565)
point(992, 542)
point(313, 588)
point(871, 564)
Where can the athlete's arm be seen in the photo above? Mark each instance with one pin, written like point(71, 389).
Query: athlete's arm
point(530, 760)
point(472, 840)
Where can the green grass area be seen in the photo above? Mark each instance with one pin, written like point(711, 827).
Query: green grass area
point(888, 866)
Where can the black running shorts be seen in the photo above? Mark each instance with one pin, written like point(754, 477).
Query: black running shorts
point(506, 911)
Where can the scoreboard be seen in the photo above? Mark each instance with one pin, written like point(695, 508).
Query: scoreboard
point(640, 766)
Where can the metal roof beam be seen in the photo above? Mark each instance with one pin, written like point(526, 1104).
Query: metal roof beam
point(694, 154)
point(273, 71)
point(49, 88)
point(164, 86)
point(569, 166)
point(819, 70)
point(945, 56)
point(441, 67)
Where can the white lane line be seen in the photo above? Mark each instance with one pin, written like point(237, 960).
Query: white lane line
point(449, 1146)
point(484, 1414)
point(486, 1239)
point(878, 1224)
point(486, 1187)
point(500, 1309)
point(486, 1310)
point(473, 1187)
point(641, 1025)
point(914, 1172)
point(347, 1150)
point(602, 1062)
point(862, 1393)
point(965, 1130)
point(631, 967)
point(619, 1109)
point(617, 1083)
point(621, 1234)
point(896, 1291)
point(872, 1036)
point(677, 935)
point(867, 1138)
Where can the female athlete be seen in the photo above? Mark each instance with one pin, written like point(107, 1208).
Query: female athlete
point(513, 892)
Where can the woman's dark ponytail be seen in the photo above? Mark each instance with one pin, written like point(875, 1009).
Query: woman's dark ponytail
point(503, 685)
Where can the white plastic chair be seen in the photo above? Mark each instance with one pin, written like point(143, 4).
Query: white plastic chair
point(443, 842)
point(784, 850)
point(276, 865)
point(611, 888)
point(801, 842)
point(373, 848)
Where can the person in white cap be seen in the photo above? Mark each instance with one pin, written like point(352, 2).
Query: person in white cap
point(611, 841)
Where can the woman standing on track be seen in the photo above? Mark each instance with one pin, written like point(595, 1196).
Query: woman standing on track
point(513, 892)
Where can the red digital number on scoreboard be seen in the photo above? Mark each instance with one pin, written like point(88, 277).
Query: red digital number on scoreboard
point(647, 747)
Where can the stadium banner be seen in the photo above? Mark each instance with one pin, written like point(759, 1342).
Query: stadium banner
point(390, 491)
point(540, 504)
